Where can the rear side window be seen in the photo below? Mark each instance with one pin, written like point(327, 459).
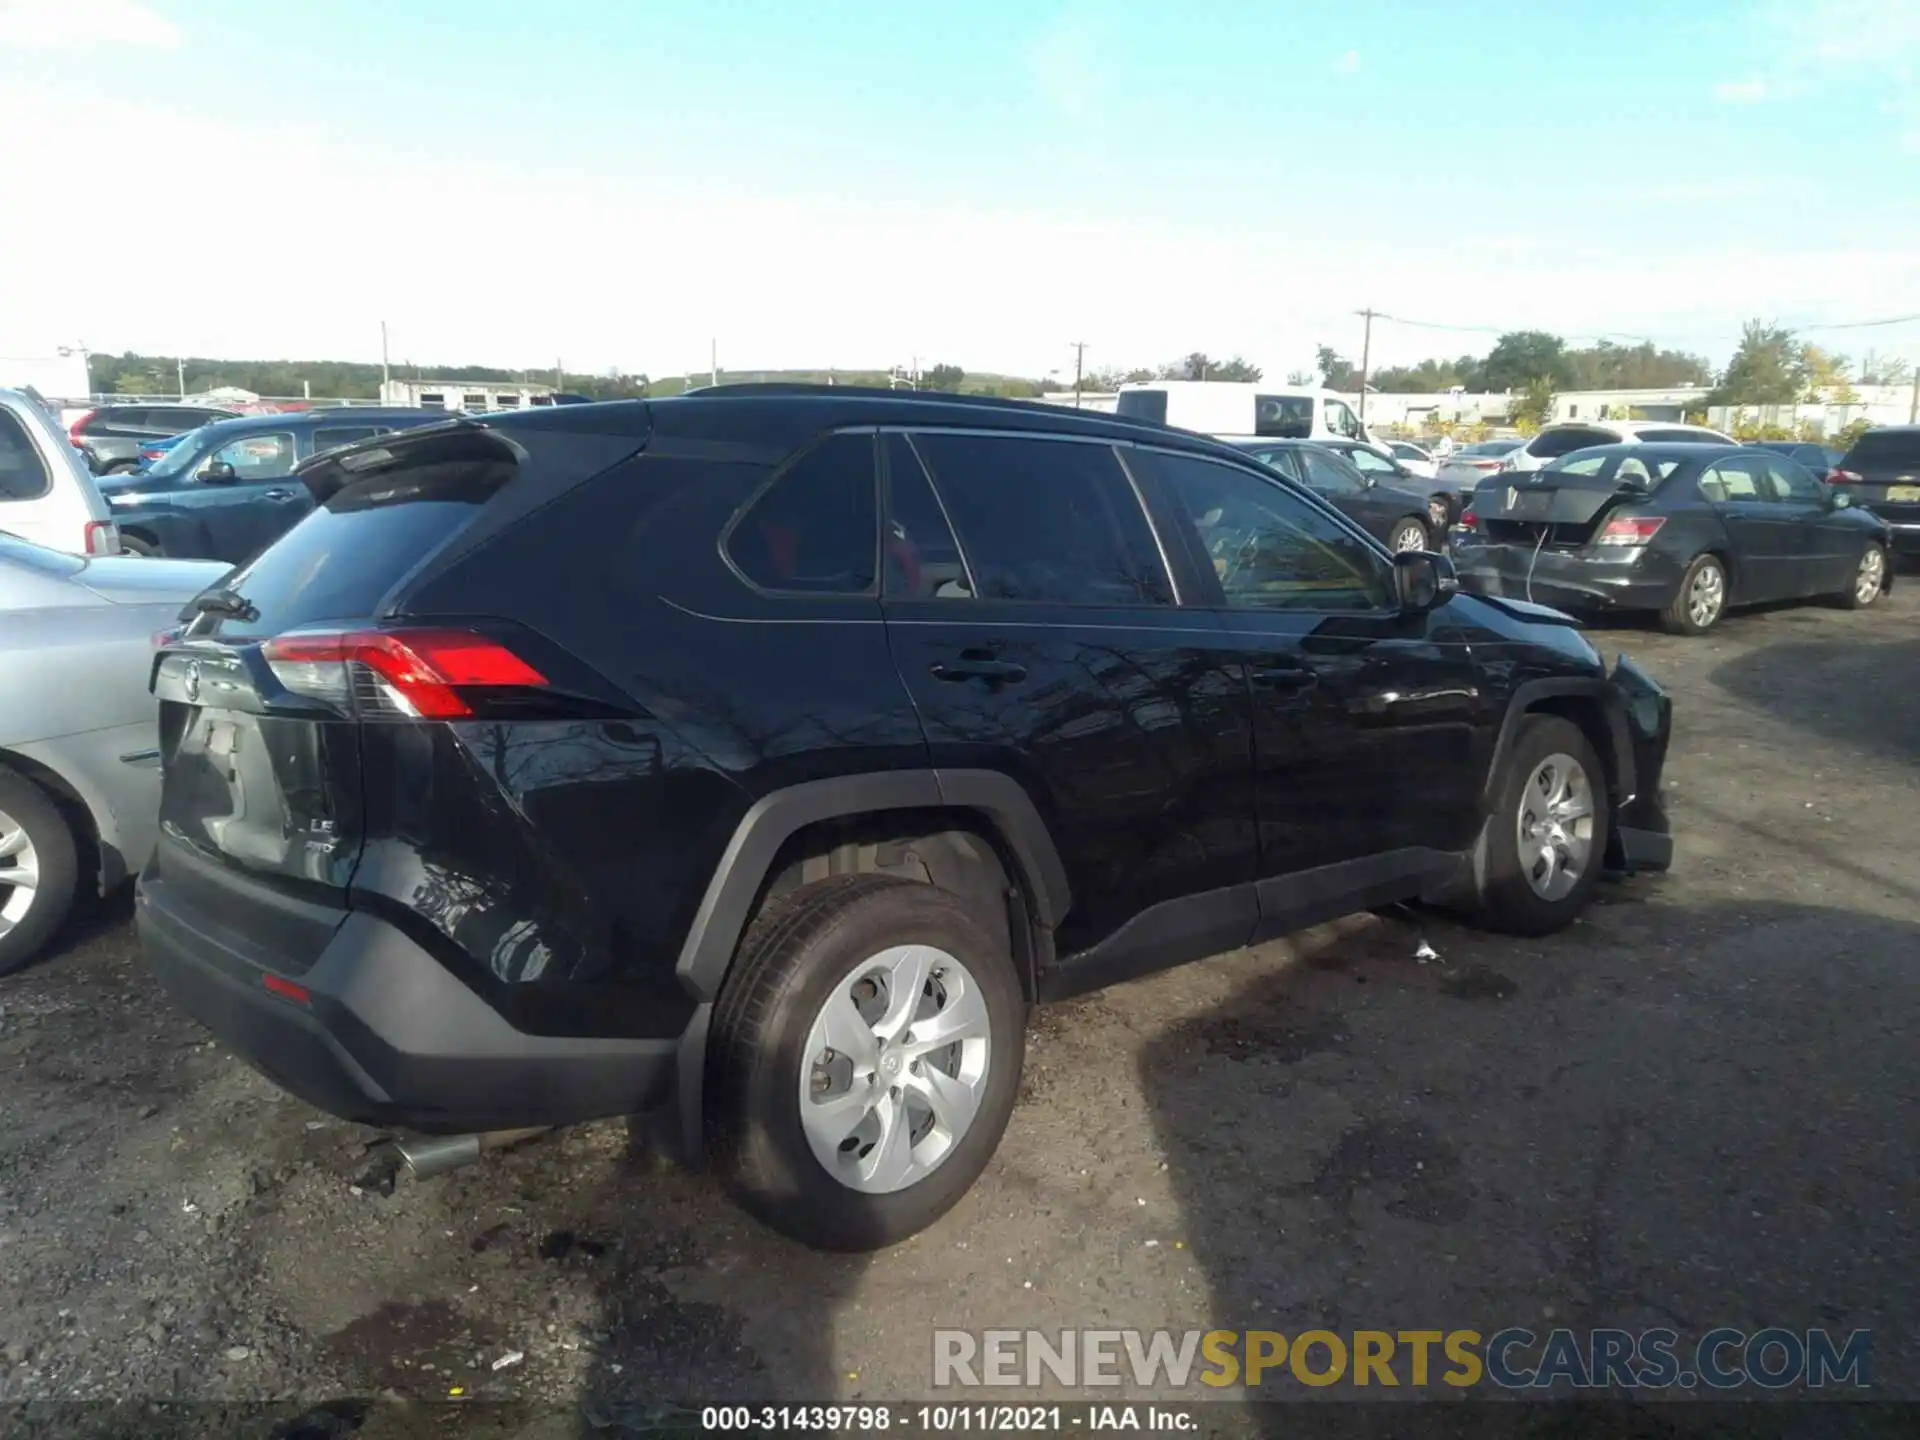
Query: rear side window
point(1884, 449)
point(341, 561)
point(814, 529)
point(23, 473)
point(1551, 444)
point(1143, 405)
point(1286, 417)
point(1046, 520)
point(923, 560)
point(1679, 437)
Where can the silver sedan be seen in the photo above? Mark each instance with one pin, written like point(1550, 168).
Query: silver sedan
point(79, 763)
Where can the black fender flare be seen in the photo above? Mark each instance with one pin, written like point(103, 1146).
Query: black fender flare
point(1597, 688)
point(773, 819)
point(769, 823)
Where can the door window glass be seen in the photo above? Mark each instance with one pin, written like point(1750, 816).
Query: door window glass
point(333, 439)
point(1371, 462)
point(1285, 417)
point(922, 559)
point(813, 530)
point(1046, 520)
point(1792, 483)
point(1341, 420)
point(257, 457)
point(1328, 475)
point(1271, 549)
point(1736, 480)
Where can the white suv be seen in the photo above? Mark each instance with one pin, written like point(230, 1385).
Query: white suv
point(47, 494)
point(1563, 439)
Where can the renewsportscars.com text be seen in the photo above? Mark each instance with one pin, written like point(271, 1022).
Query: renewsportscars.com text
point(1513, 1358)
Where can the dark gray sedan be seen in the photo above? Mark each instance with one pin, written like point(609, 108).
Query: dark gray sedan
point(1399, 517)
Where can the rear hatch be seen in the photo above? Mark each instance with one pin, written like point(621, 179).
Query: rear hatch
point(267, 693)
point(1882, 472)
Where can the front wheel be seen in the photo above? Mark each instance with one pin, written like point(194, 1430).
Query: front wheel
point(134, 545)
point(1869, 579)
point(864, 1060)
point(1439, 514)
point(1407, 535)
point(39, 870)
point(1547, 837)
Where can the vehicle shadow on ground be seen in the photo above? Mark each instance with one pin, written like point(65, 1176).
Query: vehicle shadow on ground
point(1715, 1132)
point(1862, 694)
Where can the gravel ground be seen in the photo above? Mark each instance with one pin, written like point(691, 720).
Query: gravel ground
point(1697, 1108)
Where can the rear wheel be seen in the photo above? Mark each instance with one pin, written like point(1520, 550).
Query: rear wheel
point(1869, 579)
point(1547, 836)
point(134, 545)
point(39, 870)
point(1439, 514)
point(1408, 534)
point(1701, 599)
point(864, 1060)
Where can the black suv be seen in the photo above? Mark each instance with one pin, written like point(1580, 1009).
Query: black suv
point(755, 759)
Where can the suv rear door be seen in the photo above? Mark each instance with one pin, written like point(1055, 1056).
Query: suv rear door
point(1033, 619)
point(1882, 469)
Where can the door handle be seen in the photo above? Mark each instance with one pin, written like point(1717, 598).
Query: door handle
point(277, 493)
point(1283, 677)
point(998, 672)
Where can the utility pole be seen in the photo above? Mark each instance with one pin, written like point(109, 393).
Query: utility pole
point(385, 371)
point(713, 362)
point(1079, 356)
point(1913, 405)
point(180, 375)
point(1366, 356)
point(559, 376)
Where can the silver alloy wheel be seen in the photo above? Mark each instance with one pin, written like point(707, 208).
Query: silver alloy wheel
point(1437, 512)
point(1555, 826)
point(1409, 537)
point(1706, 595)
point(19, 872)
point(1873, 572)
point(896, 1065)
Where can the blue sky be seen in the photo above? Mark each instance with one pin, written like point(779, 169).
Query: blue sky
point(852, 183)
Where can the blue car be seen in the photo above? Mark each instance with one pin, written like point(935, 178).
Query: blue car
point(227, 490)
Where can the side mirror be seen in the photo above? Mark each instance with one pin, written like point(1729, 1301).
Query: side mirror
point(217, 472)
point(1838, 498)
point(1422, 580)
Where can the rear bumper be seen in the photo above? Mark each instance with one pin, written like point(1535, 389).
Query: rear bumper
point(386, 1036)
point(1906, 537)
point(1642, 837)
point(1566, 580)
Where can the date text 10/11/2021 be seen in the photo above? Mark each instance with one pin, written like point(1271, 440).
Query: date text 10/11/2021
point(949, 1419)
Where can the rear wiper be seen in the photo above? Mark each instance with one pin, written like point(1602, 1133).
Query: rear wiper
point(225, 602)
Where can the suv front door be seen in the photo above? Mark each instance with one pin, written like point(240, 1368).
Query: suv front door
point(1370, 737)
point(1033, 619)
point(244, 496)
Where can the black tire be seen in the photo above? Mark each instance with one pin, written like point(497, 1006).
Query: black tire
point(1678, 616)
point(1407, 528)
point(1508, 901)
point(134, 545)
point(26, 805)
point(121, 467)
point(1440, 513)
point(1850, 597)
point(792, 956)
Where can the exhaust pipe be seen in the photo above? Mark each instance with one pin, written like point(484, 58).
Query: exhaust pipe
point(426, 1158)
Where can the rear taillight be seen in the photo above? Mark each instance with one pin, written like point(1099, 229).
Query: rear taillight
point(1468, 520)
point(151, 454)
point(102, 538)
point(1630, 530)
point(1484, 464)
point(163, 638)
point(1841, 477)
point(397, 674)
point(73, 430)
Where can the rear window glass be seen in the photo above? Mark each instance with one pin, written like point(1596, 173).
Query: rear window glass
point(1143, 405)
point(1883, 448)
point(340, 562)
point(1551, 443)
point(23, 474)
point(1289, 417)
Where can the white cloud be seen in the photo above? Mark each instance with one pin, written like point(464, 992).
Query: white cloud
point(1348, 63)
point(81, 24)
point(1740, 92)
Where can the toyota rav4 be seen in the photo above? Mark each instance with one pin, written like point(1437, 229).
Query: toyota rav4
point(753, 761)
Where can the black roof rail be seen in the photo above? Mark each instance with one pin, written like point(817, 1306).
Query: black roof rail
point(812, 390)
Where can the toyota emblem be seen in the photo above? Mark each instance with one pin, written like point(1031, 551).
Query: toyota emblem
point(192, 680)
